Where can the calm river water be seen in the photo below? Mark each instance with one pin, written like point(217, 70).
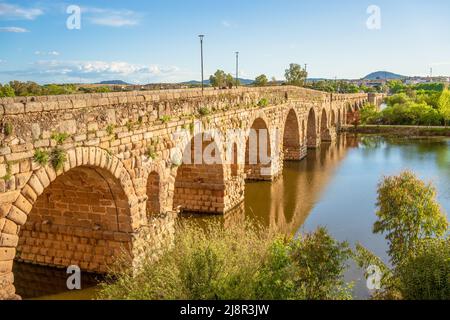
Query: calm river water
point(334, 187)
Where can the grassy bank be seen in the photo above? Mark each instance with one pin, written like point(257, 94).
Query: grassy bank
point(411, 131)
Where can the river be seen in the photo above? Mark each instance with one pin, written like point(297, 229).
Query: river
point(334, 187)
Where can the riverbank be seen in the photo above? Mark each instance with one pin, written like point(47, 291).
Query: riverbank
point(401, 131)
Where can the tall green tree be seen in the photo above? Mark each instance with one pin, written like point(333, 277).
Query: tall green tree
point(261, 81)
point(6, 91)
point(296, 75)
point(218, 80)
point(444, 105)
point(408, 212)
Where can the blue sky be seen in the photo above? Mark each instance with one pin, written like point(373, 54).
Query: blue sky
point(156, 40)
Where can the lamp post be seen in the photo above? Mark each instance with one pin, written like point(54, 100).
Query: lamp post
point(237, 68)
point(201, 53)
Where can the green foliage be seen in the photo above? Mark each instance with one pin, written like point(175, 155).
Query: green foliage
point(416, 108)
point(41, 157)
point(8, 128)
point(18, 88)
point(407, 213)
point(369, 114)
point(263, 103)
point(165, 118)
point(241, 262)
point(8, 175)
point(425, 273)
point(261, 81)
point(57, 158)
point(204, 111)
point(222, 80)
point(340, 86)
point(130, 125)
point(151, 152)
point(6, 91)
point(60, 137)
point(444, 105)
point(296, 75)
point(110, 129)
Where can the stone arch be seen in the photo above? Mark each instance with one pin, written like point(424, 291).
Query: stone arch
point(313, 140)
point(118, 195)
point(258, 151)
point(292, 137)
point(200, 183)
point(39, 192)
point(153, 194)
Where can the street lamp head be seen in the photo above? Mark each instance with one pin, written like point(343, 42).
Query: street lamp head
point(201, 36)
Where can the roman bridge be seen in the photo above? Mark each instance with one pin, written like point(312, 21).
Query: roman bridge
point(85, 177)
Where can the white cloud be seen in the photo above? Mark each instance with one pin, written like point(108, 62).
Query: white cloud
point(15, 12)
point(228, 24)
point(13, 29)
point(94, 71)
point(110, 17)
point(46, 53)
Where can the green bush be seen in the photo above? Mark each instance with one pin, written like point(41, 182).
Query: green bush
point(58, 157)
point(41, 157)
point(407, 213)
point(425, 273)
point(242, 262)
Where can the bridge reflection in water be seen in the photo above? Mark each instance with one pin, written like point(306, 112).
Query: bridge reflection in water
point(284, 205)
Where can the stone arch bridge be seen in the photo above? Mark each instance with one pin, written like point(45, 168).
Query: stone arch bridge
point(83, 177)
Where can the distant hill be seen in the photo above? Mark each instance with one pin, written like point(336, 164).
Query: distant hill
point(114, 82)
point(195, 82)
point(381, 75)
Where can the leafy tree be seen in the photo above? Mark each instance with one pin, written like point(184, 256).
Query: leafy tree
point(296, 75)
point(230, 81)
point(407, 213)
point(6, 91)
point(444, 106)
point(369, 114)
point(261, 81)
point(219, 79)
point(395, 86)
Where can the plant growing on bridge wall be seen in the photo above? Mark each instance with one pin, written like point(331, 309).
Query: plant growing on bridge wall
point(110, 129)
point(59, 137)
point(41, 157)
point(204, 111)
point(264, 102)
point(8, 129)
point(151, 152)
point(57, 158)
point(8, 175)
point(129, 125)
point(165, 118)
